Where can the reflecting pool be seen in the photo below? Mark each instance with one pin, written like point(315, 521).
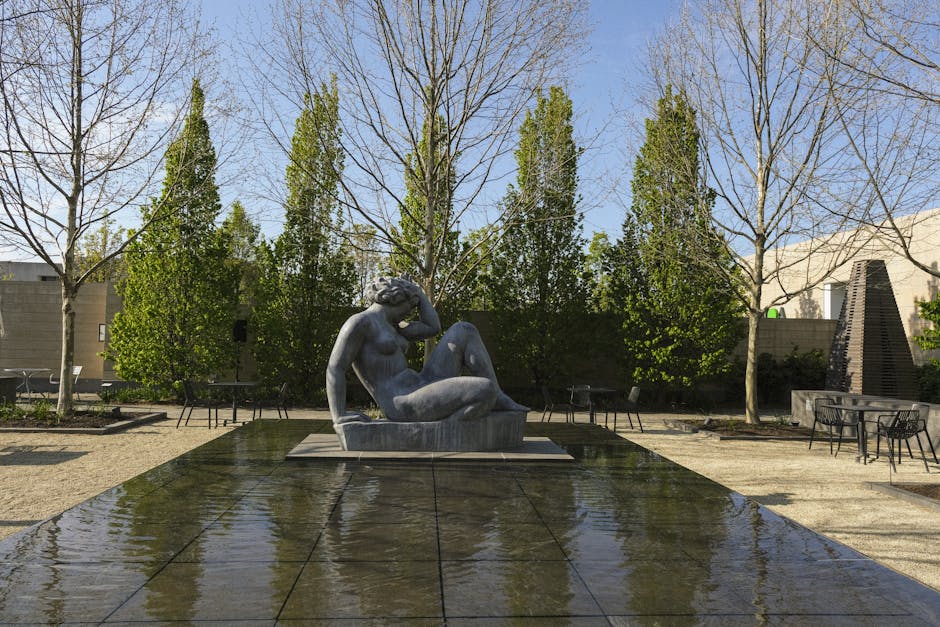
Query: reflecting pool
point(232, 532)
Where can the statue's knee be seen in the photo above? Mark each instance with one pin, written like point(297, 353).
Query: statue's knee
point(465, 328)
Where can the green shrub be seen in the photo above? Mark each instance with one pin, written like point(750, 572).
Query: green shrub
point(42, 410)
point(11, 411)
point(776, 379)
point(928, 380)
point(134, 394)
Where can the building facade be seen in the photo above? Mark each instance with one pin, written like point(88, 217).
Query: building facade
point(910, 284)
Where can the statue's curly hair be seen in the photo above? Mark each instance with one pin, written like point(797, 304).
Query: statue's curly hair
point(390, 290)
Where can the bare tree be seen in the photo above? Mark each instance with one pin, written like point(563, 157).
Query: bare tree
point(771, 146)
point(430, 92)
point(91, 91)
point(887, 99)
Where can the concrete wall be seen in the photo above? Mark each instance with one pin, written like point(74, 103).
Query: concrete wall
point(780, 336)
point(31, 315)
point(27, 271)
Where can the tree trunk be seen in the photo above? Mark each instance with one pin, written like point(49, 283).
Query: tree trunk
point(64, 405)
point(431, 342)
point(750, 373)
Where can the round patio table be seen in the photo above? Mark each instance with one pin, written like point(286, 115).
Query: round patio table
point(862, 430)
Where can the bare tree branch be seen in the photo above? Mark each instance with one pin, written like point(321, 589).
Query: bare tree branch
point(474, 63)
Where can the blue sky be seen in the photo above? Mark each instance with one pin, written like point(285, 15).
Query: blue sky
point(605, 89)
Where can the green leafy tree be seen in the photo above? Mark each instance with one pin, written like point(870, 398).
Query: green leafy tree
point(537, 279)
point(930, 338)
point(599, 276)
point(681, 318)
point(98, 253)
point(242, 236)
point(479, 246)
point(180, 291)
point(369, 263)
point(309, 280)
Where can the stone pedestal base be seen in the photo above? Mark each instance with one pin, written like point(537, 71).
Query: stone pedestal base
point(501, 430)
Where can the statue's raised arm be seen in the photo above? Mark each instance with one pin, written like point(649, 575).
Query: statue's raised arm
point(374, 341)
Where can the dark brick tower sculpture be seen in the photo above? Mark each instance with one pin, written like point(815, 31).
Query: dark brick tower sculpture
point(870, 353)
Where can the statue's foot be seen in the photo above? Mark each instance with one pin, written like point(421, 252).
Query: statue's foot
point(504, 403)
point(354, 417)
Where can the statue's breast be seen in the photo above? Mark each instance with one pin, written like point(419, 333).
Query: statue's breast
point(387, 341)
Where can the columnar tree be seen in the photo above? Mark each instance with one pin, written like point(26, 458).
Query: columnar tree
point(537, 278)
point(310, 281)
point(772, 148)
point(681, 317)
point(180, 292)
point(90, 94)
point(467, 65)
point(243, 237)
point(369, 262)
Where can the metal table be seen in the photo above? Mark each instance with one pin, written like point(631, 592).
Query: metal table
point(862, 428)
point(591, 391)
point(27, 374)
point(235, 387)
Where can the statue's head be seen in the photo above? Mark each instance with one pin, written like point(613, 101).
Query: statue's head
point(391, 291)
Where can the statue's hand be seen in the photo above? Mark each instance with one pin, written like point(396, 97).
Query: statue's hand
point(351, 417)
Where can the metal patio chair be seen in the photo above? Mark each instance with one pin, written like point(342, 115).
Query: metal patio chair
point(192, 399)
point(550, 407)
point(901, 427)
point(832, 419)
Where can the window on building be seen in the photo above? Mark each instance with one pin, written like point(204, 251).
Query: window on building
point(833, 299)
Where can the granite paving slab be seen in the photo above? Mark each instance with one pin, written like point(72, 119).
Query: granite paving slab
point(619, 536)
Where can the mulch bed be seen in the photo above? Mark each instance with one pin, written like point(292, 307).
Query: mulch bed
point(771, 429)
point(82, 422)
point(79, 419)
point(929, 490)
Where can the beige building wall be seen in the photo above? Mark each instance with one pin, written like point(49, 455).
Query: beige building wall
point(911, 284)
point(31, 314)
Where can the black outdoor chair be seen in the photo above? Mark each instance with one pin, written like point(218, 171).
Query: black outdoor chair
point(192, 399)
point(278, 402)
point(550, 407)
point(580, 400)
point(901, 427)
point(630, 407)
point(832, 419)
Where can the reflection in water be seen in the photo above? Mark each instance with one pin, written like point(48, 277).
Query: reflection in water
point(233, 531)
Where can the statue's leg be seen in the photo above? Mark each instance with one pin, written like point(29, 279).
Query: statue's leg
point(462, 347)
point(451, 398)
